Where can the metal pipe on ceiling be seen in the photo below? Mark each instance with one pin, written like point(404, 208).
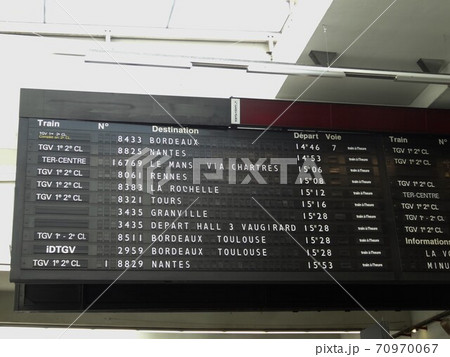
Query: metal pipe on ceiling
point(135, 33)
point(261, 67)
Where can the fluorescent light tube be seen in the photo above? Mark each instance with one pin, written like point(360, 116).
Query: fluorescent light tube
point(219, 64)
point(424, 78)
point(138, 59)
point(295, 70)
point(370, 75)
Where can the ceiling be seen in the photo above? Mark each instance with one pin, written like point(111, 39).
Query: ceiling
point(231, 15)
point(387, 35)
point(407, 31)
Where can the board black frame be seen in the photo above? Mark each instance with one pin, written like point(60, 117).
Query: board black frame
point(415, 291)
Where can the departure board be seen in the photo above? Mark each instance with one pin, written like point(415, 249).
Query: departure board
point(418, 169)
point(169, 203)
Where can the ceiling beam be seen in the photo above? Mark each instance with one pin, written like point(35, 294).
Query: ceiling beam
point(261, 67)
point(299, 28)
point(431, 93)
point(138, 33)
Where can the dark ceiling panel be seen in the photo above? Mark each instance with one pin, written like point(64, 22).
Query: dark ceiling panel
point(443, 102)
point(38, 103)
point(351, 90)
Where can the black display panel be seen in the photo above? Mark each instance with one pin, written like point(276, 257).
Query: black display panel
point(164, 203)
